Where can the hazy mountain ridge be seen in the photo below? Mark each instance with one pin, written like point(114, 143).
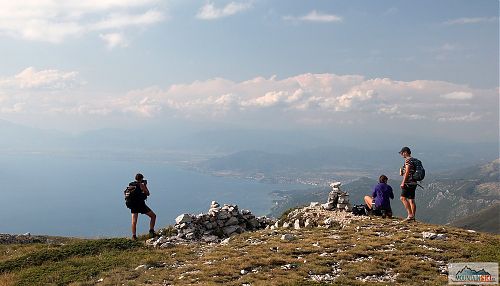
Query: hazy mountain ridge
point(320, 165)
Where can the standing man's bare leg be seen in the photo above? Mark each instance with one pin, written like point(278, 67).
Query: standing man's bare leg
point(413, 207)
point(406, 204)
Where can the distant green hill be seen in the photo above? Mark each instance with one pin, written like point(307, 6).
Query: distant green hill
point(487, 220)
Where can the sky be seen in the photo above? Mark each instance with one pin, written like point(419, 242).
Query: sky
point(413, 67)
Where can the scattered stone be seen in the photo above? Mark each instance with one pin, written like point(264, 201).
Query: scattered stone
point(183, 218)
point(471, 231)
point(388, 276)
point(210, 238)
point(431, 235)
point(289, 266)
point(314, 204)
point(243, 271)
point(296, 225)
point(323, 278)
point(288, 237)
point(441, 236)
point(307, 223)
point(141, 267)
point(225, 241)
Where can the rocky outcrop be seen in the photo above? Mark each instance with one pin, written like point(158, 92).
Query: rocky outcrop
point(218, 223)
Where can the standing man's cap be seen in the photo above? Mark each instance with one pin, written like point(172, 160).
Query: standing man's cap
point(405, 149)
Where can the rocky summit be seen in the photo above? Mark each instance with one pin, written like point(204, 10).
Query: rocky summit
point(305, 246)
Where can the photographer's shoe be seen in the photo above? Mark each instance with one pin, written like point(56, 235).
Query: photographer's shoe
point(152, 233)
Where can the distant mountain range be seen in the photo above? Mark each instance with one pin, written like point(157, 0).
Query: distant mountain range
point(322, 164)
point(467, 197)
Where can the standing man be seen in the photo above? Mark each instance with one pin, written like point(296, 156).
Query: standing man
point(138, 205)
point(408, 185)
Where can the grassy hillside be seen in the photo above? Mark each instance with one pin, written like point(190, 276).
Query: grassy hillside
point(378, 251)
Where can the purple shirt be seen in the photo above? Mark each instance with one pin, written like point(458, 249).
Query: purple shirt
point(382, 193)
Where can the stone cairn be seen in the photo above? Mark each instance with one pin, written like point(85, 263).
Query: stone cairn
point(217, 224)
point(337, 199)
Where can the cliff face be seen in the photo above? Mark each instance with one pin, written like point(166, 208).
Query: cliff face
point(335, 248)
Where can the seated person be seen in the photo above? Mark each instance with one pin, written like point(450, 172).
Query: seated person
point(381, 194)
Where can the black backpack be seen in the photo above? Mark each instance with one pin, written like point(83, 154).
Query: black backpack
point(133, 194)
point(419, 173)
point(359, 210)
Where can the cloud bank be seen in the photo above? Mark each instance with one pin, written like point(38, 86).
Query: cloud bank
point(304, 99)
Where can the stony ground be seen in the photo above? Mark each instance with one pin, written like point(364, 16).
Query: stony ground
point(354, 251)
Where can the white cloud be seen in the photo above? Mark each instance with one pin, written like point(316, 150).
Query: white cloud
point(470, 117)
point(115, 21)
point(458, 95)
point(113, 40)
point(57, 20)
point(31, 78)
point(315, 16)
point(210, 12)
point(473, 20)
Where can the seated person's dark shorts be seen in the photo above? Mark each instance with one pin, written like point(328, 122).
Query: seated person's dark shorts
point(380, 211)
point(140, 207)
point(408, 191)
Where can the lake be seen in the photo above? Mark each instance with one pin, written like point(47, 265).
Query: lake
point(68, 196)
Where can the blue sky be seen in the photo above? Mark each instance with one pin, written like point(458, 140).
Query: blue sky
point(79, 65)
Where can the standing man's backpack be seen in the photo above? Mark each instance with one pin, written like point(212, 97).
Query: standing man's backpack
point(419, 173)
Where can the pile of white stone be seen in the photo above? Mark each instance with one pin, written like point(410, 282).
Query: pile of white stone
point(337, 199)
point(218, 223)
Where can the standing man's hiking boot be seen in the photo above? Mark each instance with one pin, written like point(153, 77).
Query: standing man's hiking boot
point(152, 233)
point(410, 218)
point(134, 237)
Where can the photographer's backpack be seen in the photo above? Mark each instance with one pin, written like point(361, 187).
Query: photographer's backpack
point(129, 193)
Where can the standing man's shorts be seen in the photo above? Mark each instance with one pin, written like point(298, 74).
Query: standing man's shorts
point(408, 191)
